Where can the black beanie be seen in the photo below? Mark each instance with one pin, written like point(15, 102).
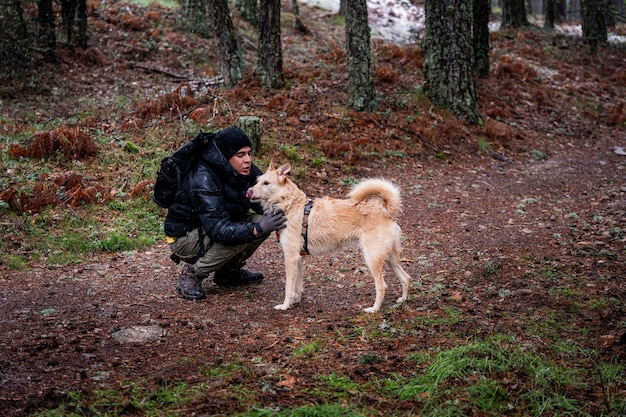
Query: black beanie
point(230, 140)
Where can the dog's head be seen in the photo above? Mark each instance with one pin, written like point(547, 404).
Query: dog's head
point(271, 187)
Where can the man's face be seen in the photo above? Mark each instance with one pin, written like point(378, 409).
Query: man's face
point(242, 160)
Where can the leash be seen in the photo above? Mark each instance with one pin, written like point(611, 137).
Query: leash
point(305, 226)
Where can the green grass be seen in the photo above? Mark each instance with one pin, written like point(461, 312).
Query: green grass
point(479, 376)
point(63, 237)
point(307, 350)
point(323, 410)
point(489, 377)
point(131, 399)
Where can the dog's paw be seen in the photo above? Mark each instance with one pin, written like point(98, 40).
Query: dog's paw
point(281, 307)
point(401, 300)
point(370, 310)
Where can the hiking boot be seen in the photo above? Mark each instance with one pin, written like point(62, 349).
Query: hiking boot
point(236, 277)
point(190, 284)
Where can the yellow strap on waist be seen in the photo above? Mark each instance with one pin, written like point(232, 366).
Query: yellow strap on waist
point(171, 239)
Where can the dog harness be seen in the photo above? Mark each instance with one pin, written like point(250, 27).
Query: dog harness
point(305, 227)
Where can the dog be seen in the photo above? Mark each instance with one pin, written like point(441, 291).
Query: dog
point(366, 218)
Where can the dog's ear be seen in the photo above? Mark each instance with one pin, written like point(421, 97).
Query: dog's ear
point(271, 167)
point(283, 171)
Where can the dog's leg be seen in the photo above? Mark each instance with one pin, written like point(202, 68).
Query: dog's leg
point(299, 281)
point(401, 273)
point(396, 267)
point(292, 272)
point(375, 263)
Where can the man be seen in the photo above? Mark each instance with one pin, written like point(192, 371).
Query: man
point(210, 226)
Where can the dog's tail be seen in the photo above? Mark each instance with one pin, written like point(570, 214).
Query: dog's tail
point(381, 188)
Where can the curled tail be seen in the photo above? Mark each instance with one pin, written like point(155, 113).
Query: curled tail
point(383, 189)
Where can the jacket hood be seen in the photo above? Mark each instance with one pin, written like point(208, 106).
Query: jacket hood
point(213, 157)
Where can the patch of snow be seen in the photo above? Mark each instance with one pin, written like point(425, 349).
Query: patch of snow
point(395, 20)
point(330, 5)
point(401, 22)
point(576, 30)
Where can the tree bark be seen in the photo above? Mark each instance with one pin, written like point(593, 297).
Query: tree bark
point(297, 22)
point(15, 41)
point(342, 8)
point(361, 96)
point(47, 30)
point(81, 24)
point(252, 126)
point(250, 11)
point(229, 53)
point(560, 11)
point(68, 11)
point(195, 17)
point(514, 14)
point(448, 52)
point(480, 38)
point(550, 14)
point(595, 31)
point(270, 68)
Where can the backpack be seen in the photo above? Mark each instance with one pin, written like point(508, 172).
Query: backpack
point(174, 168)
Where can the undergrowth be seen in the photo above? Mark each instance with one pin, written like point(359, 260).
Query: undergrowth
point(491, 377)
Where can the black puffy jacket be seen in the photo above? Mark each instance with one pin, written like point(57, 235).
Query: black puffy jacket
point(214, 196)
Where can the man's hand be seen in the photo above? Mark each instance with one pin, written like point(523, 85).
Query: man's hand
point(271, 221)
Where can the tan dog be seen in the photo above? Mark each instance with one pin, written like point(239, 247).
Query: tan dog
point(366, 218)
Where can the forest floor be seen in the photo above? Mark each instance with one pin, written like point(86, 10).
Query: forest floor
point(516, 227)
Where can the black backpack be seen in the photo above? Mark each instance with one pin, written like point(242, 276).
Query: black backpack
point(176, 166)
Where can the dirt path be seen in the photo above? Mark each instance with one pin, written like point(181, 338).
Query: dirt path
point(479, 233)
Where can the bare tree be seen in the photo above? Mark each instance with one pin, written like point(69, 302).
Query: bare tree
point(448, 68)
point(15, 41)
point(195, 17)
point(550, 14)
point(480, 36)
point(361, 94)
point(342, 8)
point(232, 64)
point(514, 14)
point(297, 22)
point(74, 13)
point(249, 10)
point(47, 29)
point(594, 23)
point(270, 67)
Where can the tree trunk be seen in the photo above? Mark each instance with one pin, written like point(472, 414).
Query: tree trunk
point(270, 67)
point(361, 96)
point(195, 17)
point(15, 41)
point(550, 14)
point(297, 22)
point(342, 8)
point(47, 31)
point(560, 11)
point(249, 11)
point(514, 14)
point(594, 26)
point(448, 69)
point(252, 126)
point(480, 38)
point(68, 11)
point(74, 13)
point(229, 53)
point(81, 24)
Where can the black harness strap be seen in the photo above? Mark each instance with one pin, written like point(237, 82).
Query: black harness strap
point(305, 227)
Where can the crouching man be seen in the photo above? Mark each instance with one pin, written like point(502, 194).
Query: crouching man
point(212, 226)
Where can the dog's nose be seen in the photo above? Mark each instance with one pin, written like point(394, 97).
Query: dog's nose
point(249, 194)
